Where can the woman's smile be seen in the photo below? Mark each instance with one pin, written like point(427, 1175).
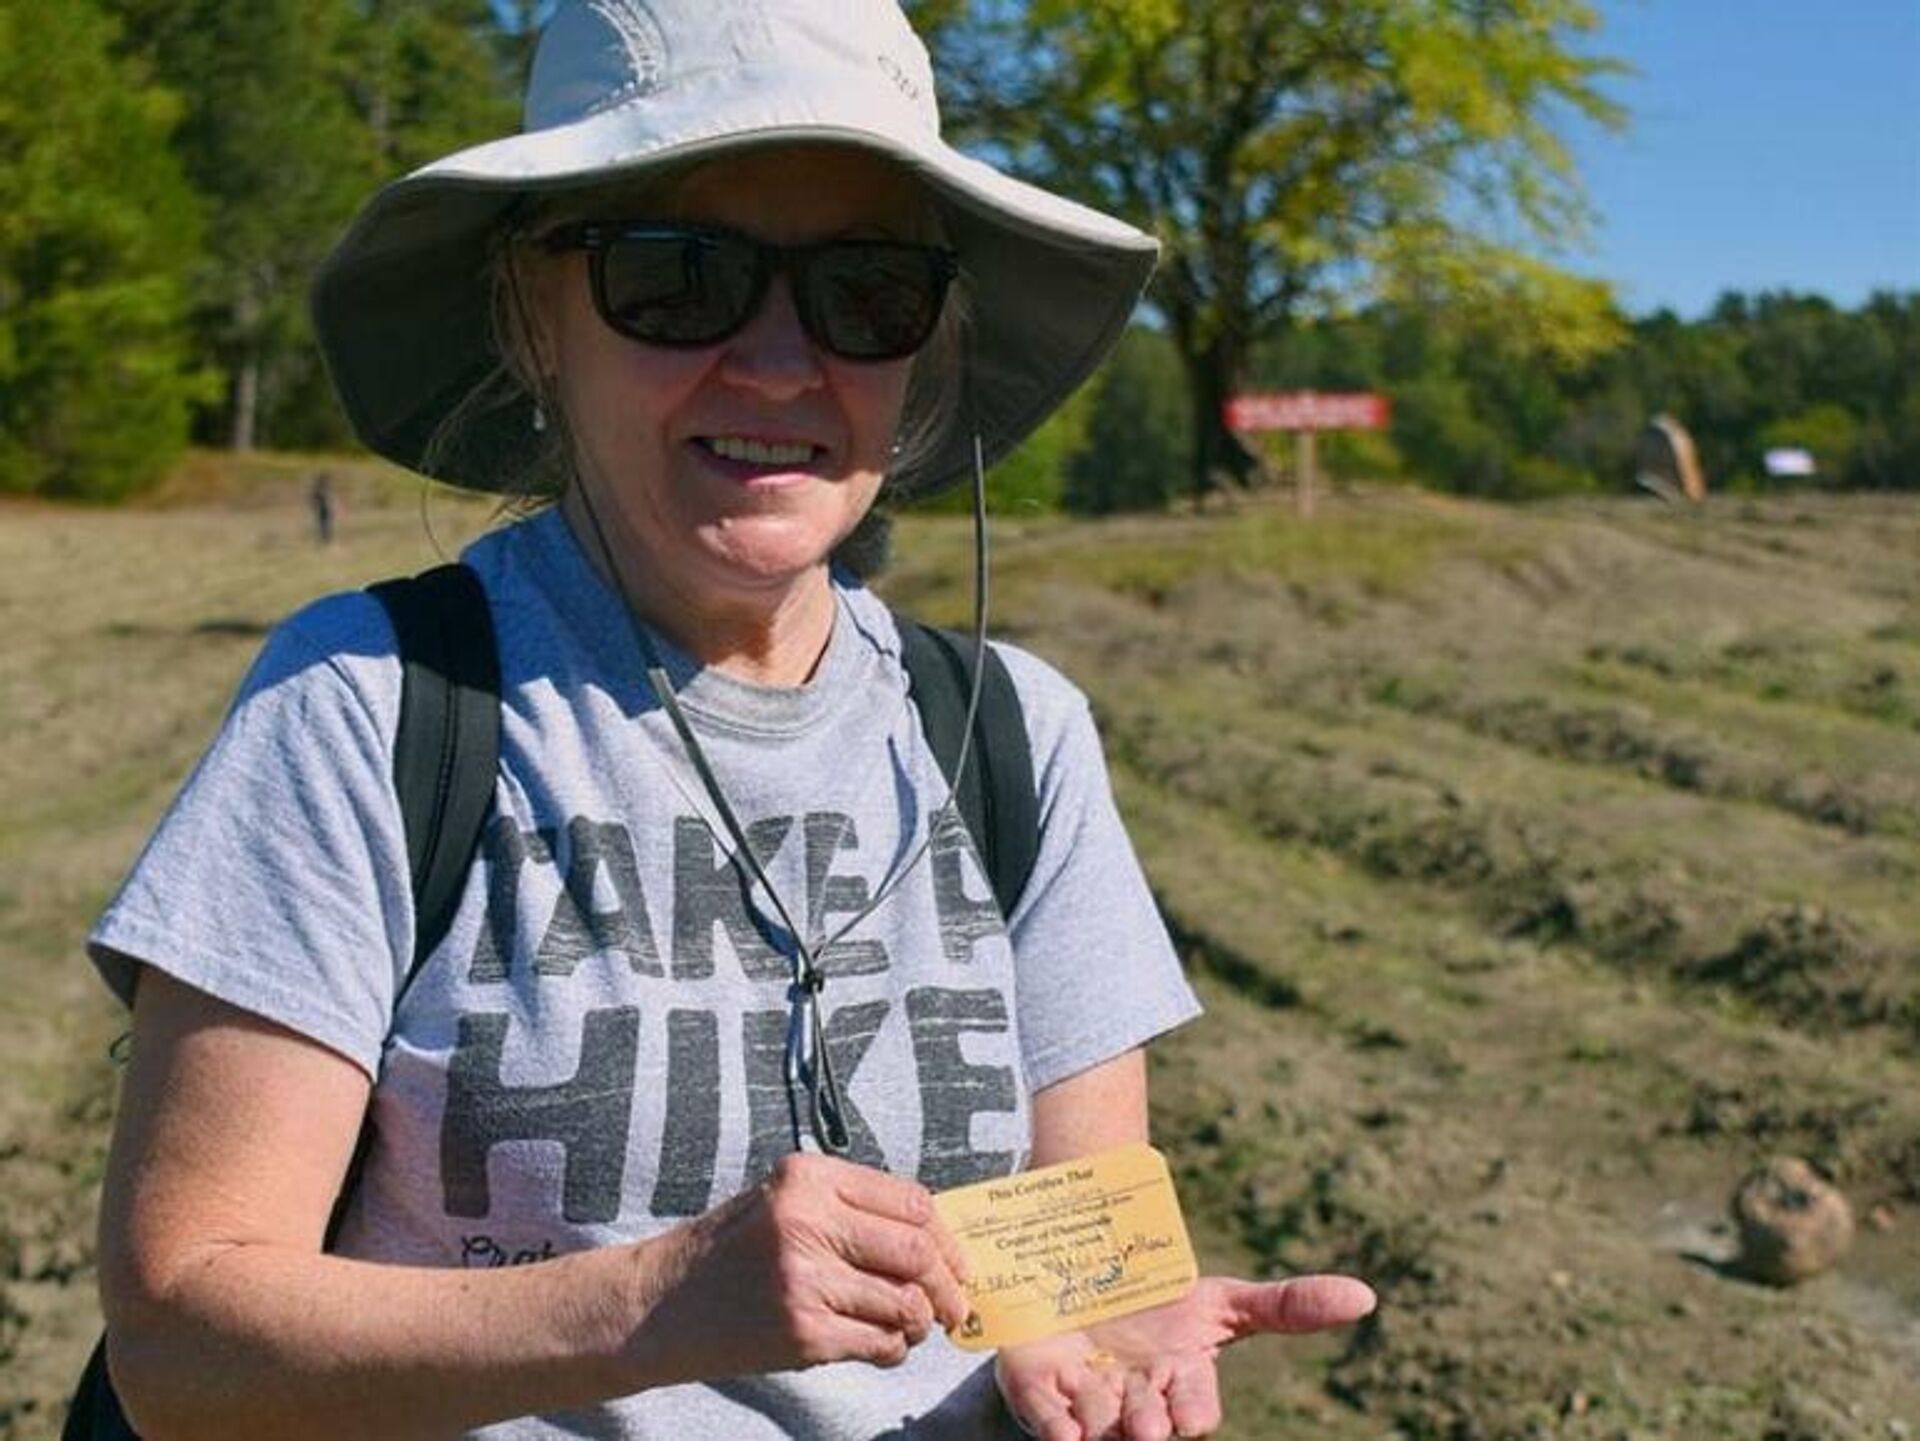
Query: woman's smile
point(774, 457)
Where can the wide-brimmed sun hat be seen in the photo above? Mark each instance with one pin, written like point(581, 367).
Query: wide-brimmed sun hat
point(621, 88)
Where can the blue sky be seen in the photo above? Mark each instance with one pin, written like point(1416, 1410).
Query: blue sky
point(1772, 143)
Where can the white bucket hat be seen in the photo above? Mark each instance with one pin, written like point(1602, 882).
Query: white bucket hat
point(403, 304)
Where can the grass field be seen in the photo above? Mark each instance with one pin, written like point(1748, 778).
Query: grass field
point(1542, 869)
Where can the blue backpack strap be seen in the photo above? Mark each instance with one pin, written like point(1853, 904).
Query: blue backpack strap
point(447, 750)
point(997, 797)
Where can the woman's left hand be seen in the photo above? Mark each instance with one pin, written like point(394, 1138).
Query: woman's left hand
point(1150, 1376)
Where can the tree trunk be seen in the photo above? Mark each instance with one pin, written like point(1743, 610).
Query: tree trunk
point(1218, 454)
point(246, 375)
point(246, 400)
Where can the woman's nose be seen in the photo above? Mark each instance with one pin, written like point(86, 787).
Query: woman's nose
point(772, 352)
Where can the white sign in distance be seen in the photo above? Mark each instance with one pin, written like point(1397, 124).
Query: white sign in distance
point(1785, 461)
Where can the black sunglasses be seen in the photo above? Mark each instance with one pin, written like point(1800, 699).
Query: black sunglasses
point(690, 286)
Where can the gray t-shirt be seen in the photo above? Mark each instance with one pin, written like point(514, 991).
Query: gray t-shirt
point(597, 1050)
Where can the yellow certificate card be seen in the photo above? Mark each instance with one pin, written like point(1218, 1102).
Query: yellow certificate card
point(1066, 1246)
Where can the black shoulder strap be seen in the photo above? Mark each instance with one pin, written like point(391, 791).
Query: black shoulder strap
point(445, 756)
point(444, 760)
point(447, 751)
point(997, 797)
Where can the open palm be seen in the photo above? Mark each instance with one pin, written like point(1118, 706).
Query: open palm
point(1150, 1376)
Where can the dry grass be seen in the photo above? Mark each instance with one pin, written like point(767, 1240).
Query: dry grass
point(126, 632)
point(1542, 869)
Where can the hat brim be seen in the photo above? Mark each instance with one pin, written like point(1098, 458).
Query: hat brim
point(402, 307)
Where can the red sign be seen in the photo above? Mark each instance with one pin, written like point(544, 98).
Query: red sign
point(1308, 410)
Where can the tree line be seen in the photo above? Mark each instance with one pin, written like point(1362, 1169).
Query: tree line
point(171, 171)
point(1350, 194)
point(1475, 410)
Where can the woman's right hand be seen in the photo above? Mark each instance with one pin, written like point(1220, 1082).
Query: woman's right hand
point(227, 1320)
point(825, 1260)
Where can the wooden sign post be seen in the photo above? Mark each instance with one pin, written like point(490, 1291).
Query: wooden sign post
point(1306, 413)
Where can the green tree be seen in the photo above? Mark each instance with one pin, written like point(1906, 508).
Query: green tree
point(97, 228)
point(1695, 372)
point(1896, 456)
point(1293, 156)
point(425, 78)
point(271, 143)
point(1137, 434)
point(295, 110)
point(1888, 451)
point(1029, 480)
point(1481, 404)
point(429, 77)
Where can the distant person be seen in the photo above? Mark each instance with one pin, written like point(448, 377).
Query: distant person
point(320, 501)
point(727, 292)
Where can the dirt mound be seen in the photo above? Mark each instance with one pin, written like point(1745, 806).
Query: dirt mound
point(1812, 968)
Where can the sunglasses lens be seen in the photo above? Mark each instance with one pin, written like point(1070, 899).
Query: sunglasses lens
point(873, 300)
point(859, 299)
point(677, 288)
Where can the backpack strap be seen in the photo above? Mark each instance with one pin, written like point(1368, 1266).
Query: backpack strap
point(445, 756)
point(997, 797)
point(446, 752)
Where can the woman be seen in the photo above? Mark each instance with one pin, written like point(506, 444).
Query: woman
point(715, 291)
